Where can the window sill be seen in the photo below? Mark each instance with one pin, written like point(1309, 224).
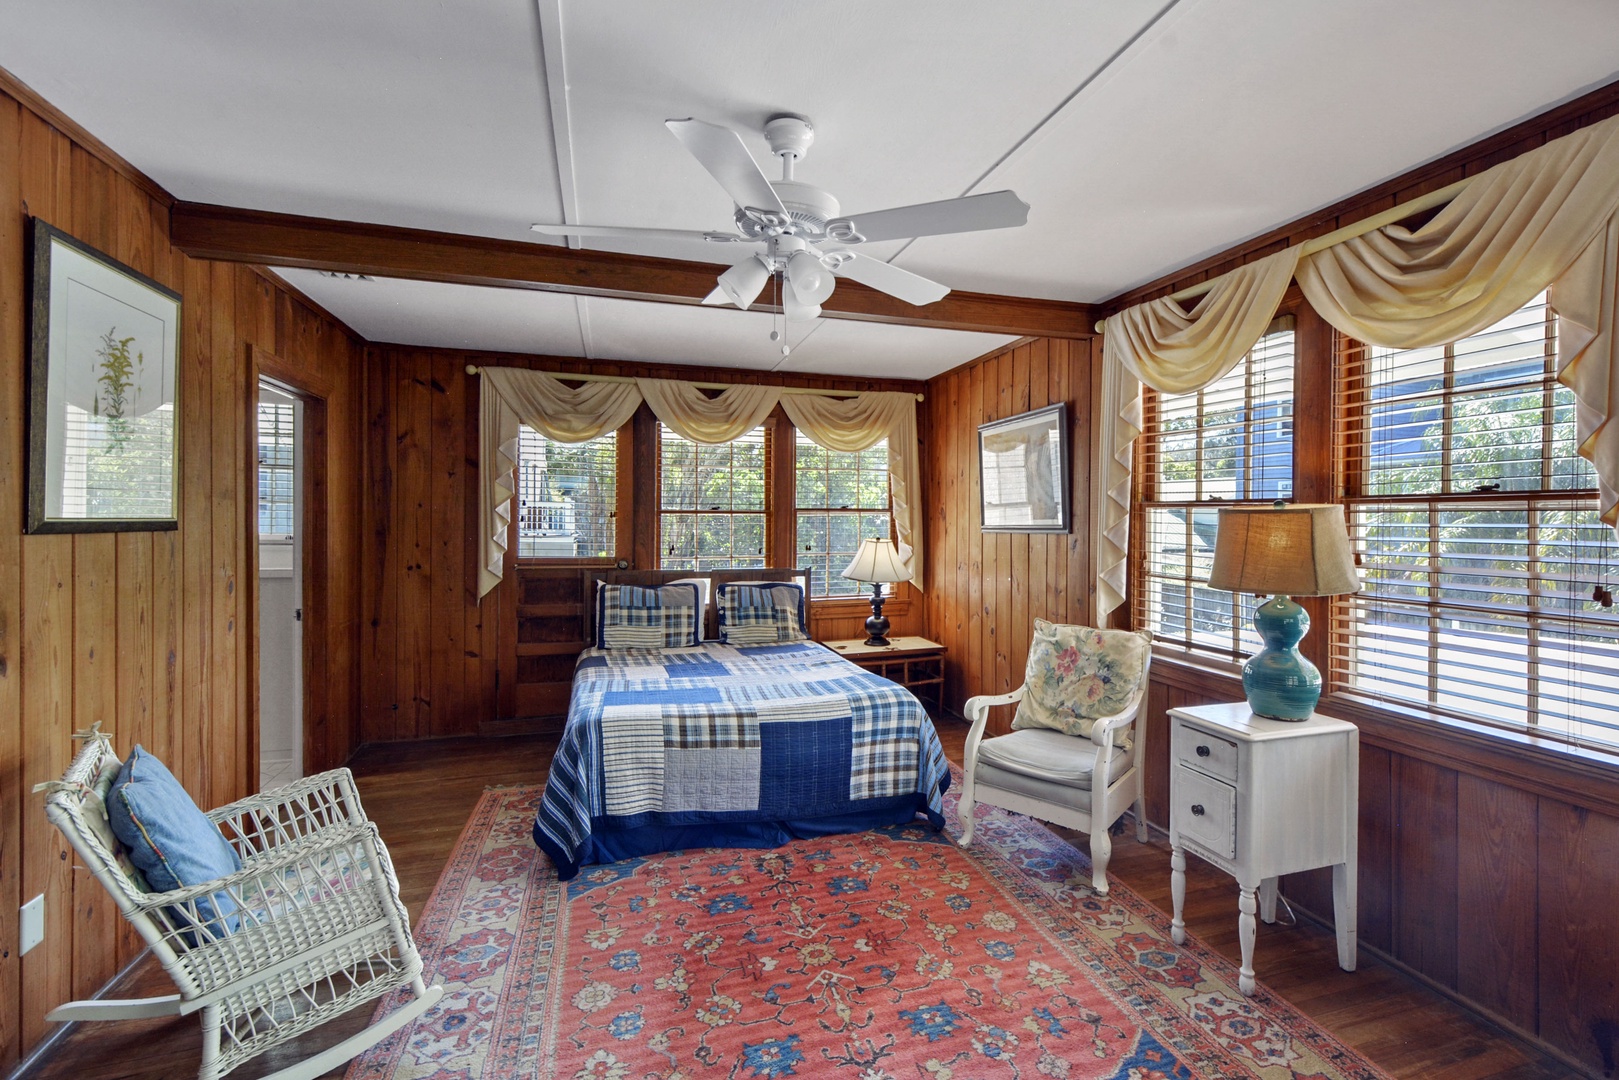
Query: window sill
point(1577, 775)
point(848, 607)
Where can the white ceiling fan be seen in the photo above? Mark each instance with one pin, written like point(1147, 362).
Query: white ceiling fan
point(806, 242)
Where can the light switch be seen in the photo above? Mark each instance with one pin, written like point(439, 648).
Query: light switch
point(31, 928)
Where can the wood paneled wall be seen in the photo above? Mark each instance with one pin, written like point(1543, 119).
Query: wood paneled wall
point(148, 632)
point(434, 661)
point(984, 590)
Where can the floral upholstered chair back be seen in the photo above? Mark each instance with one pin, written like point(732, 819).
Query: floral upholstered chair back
point(1078, 674)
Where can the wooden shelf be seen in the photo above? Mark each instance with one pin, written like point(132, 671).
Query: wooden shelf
point(913, 662)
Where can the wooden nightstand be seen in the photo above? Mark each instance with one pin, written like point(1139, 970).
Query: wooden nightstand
point(914, 662)
point(1259, 798)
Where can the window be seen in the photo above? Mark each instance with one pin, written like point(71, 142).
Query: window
point(567, 497)
point(1231, 442)
point(842, 500)
point(276, 420)
point(1476, 526)
point(711, 502)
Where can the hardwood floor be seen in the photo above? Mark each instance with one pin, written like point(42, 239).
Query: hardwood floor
point(420, 795)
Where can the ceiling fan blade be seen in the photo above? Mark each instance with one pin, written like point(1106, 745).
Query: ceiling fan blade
point(721, 151)
point(909, 287)
point(635, 234)
point(995, 210)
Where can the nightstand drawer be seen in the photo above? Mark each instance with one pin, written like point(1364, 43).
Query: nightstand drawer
point(1205, 811)
point(1206, 753)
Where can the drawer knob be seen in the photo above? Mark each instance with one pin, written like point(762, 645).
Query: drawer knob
point(1197, 809)
point(1202, 751)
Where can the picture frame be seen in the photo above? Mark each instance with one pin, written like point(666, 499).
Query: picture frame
point(103, 389)
point(1023, 472)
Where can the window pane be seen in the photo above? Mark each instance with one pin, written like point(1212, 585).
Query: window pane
point(850, 491)
point(567, 496)
point(1232, 441)
point(1476, 528)
point(713, 501)
point(275, 436)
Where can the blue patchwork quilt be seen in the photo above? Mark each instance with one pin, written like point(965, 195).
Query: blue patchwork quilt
point(732, 745)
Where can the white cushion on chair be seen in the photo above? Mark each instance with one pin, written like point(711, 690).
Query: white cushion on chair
point(1048, 756)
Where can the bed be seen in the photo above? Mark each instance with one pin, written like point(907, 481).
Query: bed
point(732, 745)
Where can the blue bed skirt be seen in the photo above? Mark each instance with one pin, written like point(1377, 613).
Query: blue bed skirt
point(610, 841)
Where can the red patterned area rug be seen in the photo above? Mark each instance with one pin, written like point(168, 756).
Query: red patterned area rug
point(878, 956)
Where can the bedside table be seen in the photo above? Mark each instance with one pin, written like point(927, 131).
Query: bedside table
point(914, 662)
point(1259, 798)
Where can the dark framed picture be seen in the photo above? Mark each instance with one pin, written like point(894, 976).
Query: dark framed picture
point(103, 382)
point(1023, 472)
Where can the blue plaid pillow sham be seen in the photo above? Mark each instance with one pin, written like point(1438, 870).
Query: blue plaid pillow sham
point(633, 617)
point(761, 613)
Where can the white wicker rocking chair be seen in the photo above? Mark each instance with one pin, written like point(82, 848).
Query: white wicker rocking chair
point(317, 929)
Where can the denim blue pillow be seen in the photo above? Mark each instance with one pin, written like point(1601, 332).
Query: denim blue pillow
point(169, 838)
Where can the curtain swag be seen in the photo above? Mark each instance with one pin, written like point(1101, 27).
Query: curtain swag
point(1548, 219)
point(511, 397)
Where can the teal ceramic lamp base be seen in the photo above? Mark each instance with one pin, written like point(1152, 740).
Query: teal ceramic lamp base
point(1280, 683)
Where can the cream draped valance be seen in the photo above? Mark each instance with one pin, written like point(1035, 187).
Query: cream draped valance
point(1548, 219)
point(511, 397)
point(857, 423)
point(1174, 351)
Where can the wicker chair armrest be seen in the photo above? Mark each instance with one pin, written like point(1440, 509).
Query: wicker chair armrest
point(261, 823)
point(268, 865)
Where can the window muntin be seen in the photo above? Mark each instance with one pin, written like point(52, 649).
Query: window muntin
point(712, 501)
point(276, 441)
point(567, 497)
point(842, 499)
point(1227, 444)
point(1475, 524)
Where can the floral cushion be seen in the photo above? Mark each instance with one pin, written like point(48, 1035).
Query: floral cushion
point(1078, 674)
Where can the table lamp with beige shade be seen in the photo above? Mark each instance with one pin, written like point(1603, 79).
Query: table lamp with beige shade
point(1282, 551)
point(878, 562)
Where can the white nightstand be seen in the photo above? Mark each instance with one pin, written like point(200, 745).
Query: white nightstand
point(1259, 798)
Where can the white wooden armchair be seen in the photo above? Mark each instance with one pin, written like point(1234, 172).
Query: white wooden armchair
point(1052, 776)
point(316, 926)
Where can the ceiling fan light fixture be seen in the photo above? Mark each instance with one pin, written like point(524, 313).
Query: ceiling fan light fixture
point(745, 281)
point(796, 308)
point(808, 278)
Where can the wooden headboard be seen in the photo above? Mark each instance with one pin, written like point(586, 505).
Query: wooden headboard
point(716, 578)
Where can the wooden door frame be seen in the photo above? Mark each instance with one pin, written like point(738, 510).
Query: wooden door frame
point(313, 391)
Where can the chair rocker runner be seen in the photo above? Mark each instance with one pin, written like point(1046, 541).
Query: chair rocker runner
point(310, 927)
point(1085, 782)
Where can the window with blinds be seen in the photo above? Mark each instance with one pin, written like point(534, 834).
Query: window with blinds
point(276, 491)
point(1227, 444)
point(712, 502)
point(567, 497)
point(1475, 525)
point(842, 499)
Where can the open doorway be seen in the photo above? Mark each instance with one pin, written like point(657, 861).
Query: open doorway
point(280, 539)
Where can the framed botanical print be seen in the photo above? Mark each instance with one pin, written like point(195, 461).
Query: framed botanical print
point(1023, 472)
point(103, 383)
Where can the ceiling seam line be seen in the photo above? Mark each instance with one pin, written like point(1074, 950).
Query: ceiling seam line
point(1061, 107)
point(560, 105)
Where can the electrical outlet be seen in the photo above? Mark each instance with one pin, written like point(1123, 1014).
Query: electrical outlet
point(32, 926)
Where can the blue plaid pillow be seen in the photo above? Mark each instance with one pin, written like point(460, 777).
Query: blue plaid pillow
point(632, 617)
point(761, 613)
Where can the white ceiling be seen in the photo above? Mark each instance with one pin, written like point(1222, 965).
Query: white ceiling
point(1145, 134)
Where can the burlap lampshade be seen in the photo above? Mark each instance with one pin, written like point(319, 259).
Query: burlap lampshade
point(1300, 549)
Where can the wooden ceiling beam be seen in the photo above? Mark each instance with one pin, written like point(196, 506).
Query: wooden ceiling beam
point(229, 234)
